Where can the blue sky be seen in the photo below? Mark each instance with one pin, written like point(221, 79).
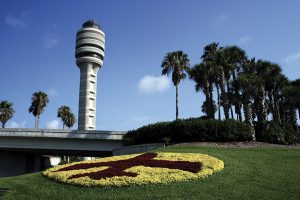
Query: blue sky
point(38, 44)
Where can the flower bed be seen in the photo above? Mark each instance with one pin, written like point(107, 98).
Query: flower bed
point(137, 169)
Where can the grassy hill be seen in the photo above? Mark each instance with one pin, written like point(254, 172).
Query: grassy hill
point(249, 173)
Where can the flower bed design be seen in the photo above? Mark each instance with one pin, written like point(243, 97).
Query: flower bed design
point(137, 169)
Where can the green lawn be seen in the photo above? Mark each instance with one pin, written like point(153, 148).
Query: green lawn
point(249, 173)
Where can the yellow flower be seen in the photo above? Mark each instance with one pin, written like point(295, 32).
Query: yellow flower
point(138, 169)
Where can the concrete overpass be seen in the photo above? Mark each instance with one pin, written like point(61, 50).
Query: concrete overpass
point(21, 150)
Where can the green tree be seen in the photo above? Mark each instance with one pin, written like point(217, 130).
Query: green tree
point(280, 82)
point(203, 74)
point(39, 101)
point(262, 69)
point(248, 86)
point(178, 63)
point(296, 85)
point(66, 115)
point(235, 58)
point(204, 108)
point(62, 113)
point(6, 112)
point(290, 98)
point(71, 120)
point(214, 56)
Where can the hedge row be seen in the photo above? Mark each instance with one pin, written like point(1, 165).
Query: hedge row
point(190, 130)
point(272, 132)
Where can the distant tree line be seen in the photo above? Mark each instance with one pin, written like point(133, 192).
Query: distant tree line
point(39, 101)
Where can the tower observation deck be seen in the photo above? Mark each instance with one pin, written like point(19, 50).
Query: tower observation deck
point(90, 44)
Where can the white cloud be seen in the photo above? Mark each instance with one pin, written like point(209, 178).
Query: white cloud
point(292, 57)
point(50, 40)
point(17, 21)
point(221, 18)
point(54, 124)
point(14, 124)
point(245, 40)
point(52, 92)
point(151, 84)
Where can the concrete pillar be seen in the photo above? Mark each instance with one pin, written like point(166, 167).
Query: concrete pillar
point(87, 96)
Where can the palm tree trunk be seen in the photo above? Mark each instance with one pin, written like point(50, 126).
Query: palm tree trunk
point(298, 113)
point(207, 99)
point(219, 110)
point(224, 95)
point(224, 101)
point(63, 126)
point(261, 109)
point(211, 102)
point(277, 111)
point(293, 116)
point(34, 121)
point(231, 111)
point(237, 106)
point(38, 121)
point(229, 99)
point(3, 125)
point(177, 101)
point(239, 111)
point(249, 117)
point(273, 109)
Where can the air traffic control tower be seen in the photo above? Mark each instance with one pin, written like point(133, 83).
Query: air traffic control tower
point(90, 42)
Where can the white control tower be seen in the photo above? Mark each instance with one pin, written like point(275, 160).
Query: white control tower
point(89, 55)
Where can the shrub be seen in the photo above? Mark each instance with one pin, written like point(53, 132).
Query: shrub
point(190, 130)
point(272, 132)
point(291, 134)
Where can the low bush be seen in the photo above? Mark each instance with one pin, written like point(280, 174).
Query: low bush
point(273, 132)
point(190, 130)
point(292, 136)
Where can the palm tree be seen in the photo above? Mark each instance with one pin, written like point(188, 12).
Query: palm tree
point(214, 55)
point(236, 98)
point(62, 113)
point(205, 108)
point(178, 63)
point(262, 69)
point(70, 120)
point(235, 58)
point(204, 76)
point(277, 94)
point(66, 115)
point(6, 112)
point(248, 86)
point(289, 99)
point(39, 101)
point(218, 100)
point(296, 84)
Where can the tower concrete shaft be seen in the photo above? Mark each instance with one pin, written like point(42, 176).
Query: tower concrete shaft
point(90, 43)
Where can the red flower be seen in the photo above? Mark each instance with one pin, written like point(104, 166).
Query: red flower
point(117, 168)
